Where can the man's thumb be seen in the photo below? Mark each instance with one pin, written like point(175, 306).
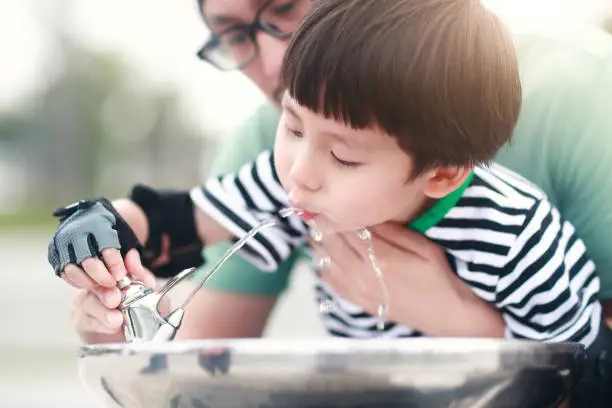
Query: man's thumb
point(134, 267)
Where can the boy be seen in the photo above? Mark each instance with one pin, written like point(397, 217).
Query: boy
point(391, 112)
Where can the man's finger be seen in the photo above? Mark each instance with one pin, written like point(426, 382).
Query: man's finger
point(97, 271)
point(321, 258)
point(114, 263)
point(338, 280)
point(78, 277)
point(401, 237)
point(67, 280)
point(110, 318)
point(341, 252)
point(88, 323)
point(109, 297)
point(329, 275)
point(358, 245)
point(316, 246)
point(84, 321)
point(135, 268)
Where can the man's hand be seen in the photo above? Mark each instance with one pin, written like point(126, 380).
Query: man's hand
point(88, 247)
point(425, 294)
point(94, 310)
point(173, 242)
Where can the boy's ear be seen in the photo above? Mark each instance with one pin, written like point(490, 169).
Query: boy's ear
point(444, 180)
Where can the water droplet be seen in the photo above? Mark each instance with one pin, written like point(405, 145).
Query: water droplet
point(286, 212)
point(323, 262)
point(315, 232)
point(383, 307)
point(364, 234)
point(326, 306)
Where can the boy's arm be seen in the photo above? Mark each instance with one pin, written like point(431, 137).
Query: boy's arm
point(237, 301)
point(548, 289)
point(240, 277)
point(228, 208)
point(237, 203)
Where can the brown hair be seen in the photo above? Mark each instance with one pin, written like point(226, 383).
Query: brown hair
point(440, 76)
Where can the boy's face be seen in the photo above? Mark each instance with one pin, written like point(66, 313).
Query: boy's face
point(343, 178)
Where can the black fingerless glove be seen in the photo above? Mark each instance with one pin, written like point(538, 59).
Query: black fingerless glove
point(86, 228)
point(171, 213)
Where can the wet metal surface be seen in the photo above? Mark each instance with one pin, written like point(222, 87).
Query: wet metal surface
point(331, 373)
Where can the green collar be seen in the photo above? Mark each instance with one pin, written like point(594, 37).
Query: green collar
point(439, 210)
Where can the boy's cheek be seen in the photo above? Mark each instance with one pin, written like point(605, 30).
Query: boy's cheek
point(352, 215)
point(282, 171)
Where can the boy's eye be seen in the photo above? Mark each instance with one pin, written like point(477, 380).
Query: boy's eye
point(345, 163)
point(295, 133)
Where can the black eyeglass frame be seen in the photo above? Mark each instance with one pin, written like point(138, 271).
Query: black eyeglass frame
point(251, 30)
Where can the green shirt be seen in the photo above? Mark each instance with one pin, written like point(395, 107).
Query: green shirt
point(562, 143)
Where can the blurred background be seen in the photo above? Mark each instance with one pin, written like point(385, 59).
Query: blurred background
point(96, 95)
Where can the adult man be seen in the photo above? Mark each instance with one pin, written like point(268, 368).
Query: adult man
point(559, 145)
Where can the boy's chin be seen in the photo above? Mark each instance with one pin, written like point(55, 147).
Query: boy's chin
point(328, 227)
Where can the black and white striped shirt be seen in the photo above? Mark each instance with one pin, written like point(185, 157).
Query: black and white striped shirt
point(503, 238)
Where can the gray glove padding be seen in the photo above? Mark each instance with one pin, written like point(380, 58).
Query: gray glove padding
point(86, 228)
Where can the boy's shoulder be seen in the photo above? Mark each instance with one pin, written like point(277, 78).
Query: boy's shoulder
point(506, 186)
point(493, 216)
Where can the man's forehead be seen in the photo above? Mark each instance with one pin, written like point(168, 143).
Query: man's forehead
point(219, 12)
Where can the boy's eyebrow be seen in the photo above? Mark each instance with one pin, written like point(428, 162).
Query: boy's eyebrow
point(350, 142)
point(287, 108)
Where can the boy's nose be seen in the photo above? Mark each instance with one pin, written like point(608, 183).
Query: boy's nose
point(304, 175)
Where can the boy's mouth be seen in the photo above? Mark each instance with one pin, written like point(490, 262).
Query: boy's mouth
point(305, 215)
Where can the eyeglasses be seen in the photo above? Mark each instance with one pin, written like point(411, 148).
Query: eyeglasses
point(237, 46)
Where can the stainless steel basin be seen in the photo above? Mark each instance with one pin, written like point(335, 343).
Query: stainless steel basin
point(331, 373)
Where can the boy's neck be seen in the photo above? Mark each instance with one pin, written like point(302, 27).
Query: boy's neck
point(431, 211)
point(425, 204)
point(428, 203)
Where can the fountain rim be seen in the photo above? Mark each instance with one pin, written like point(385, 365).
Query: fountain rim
point(313, 346)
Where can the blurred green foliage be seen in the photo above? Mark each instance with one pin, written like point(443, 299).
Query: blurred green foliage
point(94, 130)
